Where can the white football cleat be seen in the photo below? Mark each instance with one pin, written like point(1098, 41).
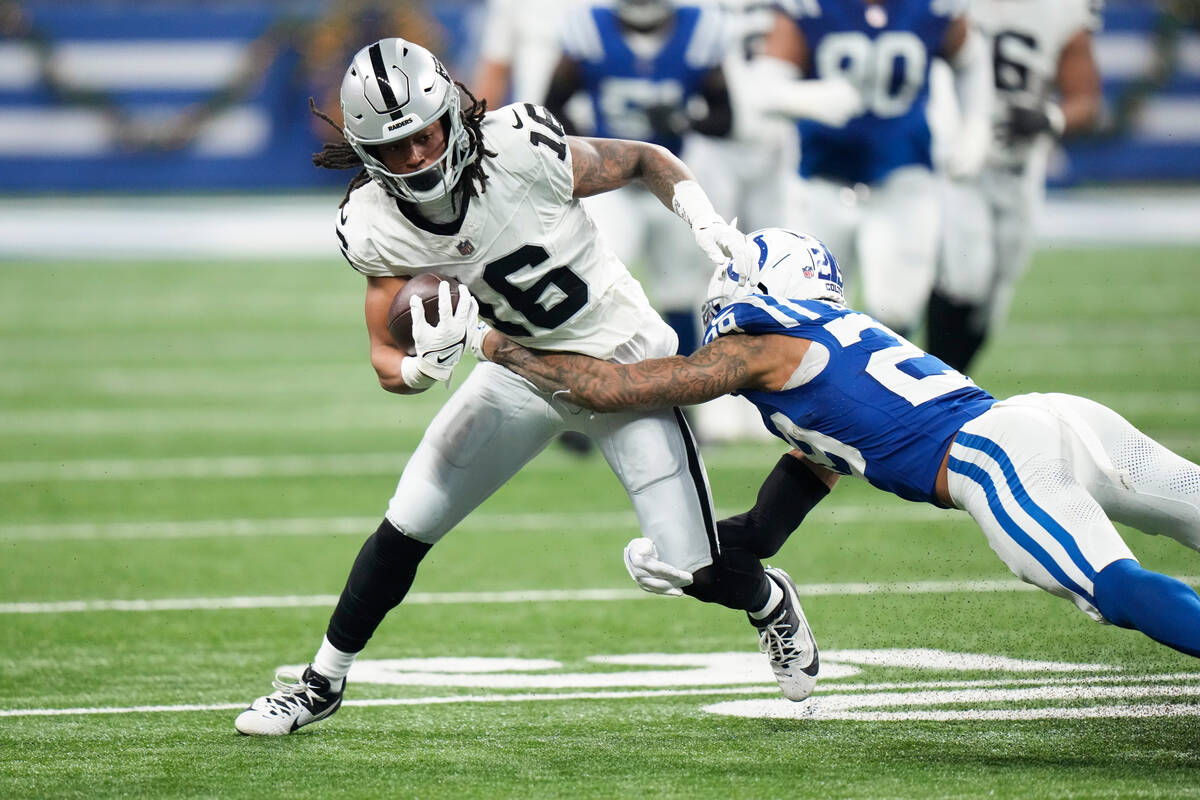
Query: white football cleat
point(788, 642)
point(296, 702)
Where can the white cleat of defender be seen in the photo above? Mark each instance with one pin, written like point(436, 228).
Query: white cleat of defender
point(788, 642)
point(296, 702)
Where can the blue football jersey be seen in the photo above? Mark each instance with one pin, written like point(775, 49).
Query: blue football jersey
point(865, 401)
point(622, 85)
point(885, 51)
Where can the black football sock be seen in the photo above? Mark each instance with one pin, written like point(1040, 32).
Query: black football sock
point(381, 576)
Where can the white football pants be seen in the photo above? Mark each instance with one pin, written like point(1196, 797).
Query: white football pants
point(989, 236)
point(885, 237)
point(1043, 474)
point(497, 421)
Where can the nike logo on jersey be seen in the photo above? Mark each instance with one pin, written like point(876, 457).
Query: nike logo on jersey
point(342, 215)
point(519, 124)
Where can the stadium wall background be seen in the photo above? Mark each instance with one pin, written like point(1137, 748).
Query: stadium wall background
point(156, 96)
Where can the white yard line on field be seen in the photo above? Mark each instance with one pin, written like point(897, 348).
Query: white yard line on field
point(343, 417)
point(828, 688)
point(380, 463)
point(362, 526)
point(516, 596)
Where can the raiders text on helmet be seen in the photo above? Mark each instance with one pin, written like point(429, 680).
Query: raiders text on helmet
point(392, 90)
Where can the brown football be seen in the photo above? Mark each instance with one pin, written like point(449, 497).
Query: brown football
point(399, 318)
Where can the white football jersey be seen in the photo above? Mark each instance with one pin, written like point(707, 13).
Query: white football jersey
point(525, 247)
point(1026, 39)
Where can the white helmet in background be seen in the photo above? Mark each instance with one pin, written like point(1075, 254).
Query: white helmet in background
point(644, 14)
point(393, 89)
point(791, 266)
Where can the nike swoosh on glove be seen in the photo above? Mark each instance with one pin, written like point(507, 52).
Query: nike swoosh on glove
point(439, 347)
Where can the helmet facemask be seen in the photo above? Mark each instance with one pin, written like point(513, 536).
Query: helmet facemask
point(394, 89)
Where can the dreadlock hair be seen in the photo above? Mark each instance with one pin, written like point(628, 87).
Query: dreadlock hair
point(340, 155)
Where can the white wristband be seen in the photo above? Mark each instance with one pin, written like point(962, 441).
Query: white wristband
point(1058, 122)
point(693, 206)
point(411, 374)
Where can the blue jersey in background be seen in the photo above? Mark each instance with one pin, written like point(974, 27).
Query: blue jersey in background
point(623, 85)
point(884, 50)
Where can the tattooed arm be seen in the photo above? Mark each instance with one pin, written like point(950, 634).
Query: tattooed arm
point(726, 365)
point(601, 165)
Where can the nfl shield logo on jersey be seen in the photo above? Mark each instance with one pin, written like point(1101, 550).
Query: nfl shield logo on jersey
point(465, 247)
point(809, 271)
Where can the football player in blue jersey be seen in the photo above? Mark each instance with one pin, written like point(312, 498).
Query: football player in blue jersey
point(855, 76)
point(1042, 474)
point(642, 65)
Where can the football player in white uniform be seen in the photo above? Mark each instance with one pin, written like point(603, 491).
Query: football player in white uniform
point(1039, 47)
point(492, 200)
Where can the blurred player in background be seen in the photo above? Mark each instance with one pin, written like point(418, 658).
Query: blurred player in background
point(865, 155)
point(1041, 474)
point(518, 50)
point(492, 200)
point(644, 66)
point(748, 176)
point(1040, 48)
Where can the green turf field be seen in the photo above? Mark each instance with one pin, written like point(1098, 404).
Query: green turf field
point(191, 454)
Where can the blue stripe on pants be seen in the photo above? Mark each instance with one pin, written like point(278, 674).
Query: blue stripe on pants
point(1014, 531)
point(1036, 512)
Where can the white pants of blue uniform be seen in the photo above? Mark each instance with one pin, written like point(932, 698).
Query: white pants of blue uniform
point(1043, 475)
point(496, 422)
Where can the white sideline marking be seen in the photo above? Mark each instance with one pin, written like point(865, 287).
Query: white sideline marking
point(994, 685)
point(204, 467)
point(1176, 403)
point(248, 466)
point(518, 596)
point(362, 526)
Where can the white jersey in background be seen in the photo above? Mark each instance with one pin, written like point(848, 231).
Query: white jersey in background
point(524, 35)
point(748, 174)
point(1026, 38)
point(991, 218)
point(525, 248)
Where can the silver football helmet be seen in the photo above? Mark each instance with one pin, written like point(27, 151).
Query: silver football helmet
point(791, 266)
point(644, 14)
point(392, 90)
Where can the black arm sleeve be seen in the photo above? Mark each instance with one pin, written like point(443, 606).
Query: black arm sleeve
point(785, 498)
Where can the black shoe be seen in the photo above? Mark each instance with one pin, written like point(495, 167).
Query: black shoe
point(296, 702)
point(788, 641)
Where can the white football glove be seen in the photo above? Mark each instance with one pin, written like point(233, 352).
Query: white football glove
point(721, 242)
point(439, 347)
point(652, 574)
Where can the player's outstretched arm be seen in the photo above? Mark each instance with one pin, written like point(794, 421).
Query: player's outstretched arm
point(728, 364)
point(601, 165)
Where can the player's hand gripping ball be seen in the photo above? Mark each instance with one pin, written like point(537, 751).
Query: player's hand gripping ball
point(399, 318)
